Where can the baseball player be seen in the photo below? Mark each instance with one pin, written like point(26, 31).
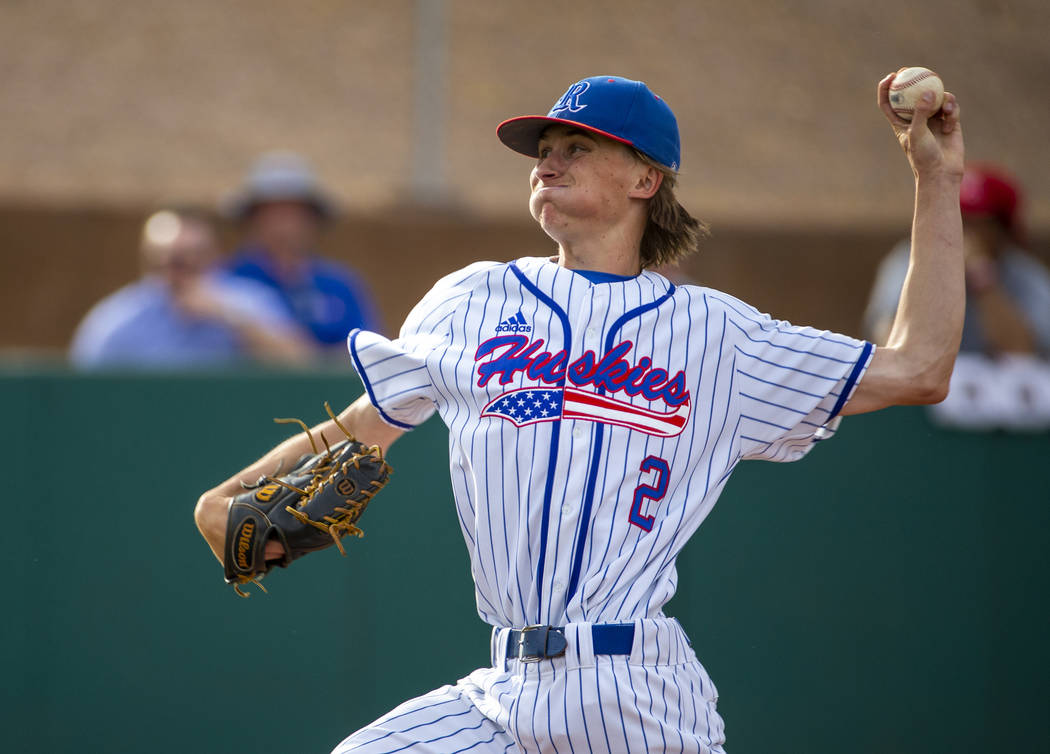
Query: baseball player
point(595, 412)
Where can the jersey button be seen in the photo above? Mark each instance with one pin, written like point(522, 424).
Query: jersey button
point(558, 586)
point(567, 509)
point(578, 432)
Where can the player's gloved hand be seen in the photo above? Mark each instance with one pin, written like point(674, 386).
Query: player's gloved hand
point(932, 139)
point(278, 519)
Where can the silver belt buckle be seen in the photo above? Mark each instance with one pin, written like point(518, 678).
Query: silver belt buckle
point(540, 645)
point(524, 636)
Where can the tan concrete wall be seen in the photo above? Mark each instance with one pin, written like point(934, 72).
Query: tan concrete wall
point(110, 107)
point(124, 103)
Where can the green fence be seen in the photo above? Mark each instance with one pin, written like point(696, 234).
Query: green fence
point(888, 594)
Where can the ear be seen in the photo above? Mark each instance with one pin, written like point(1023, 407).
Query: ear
point(648, 183)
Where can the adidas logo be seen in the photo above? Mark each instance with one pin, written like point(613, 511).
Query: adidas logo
point(514, 324)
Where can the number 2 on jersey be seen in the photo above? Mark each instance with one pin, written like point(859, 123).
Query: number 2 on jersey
point(643, 491)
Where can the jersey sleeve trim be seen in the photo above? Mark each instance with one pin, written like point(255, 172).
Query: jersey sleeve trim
point(851, 381)
point(352, 343)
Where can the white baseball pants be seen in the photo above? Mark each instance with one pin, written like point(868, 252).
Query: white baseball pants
point(657, 699)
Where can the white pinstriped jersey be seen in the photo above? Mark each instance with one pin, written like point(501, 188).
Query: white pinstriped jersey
point(593, 426)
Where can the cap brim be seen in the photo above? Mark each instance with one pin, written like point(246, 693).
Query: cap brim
point(522, 134)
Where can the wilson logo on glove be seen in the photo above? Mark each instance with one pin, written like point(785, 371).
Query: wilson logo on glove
point(244, 543)
point(345, 487)
point(266, 494)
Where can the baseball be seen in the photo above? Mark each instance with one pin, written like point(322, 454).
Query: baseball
point(909, 85)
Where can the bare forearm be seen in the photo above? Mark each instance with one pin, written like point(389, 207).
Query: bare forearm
point(916, 363)
point(928, 325)
point(360, 419)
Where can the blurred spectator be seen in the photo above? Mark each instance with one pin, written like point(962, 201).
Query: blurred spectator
point(1007, 289)
point(184, 313)
point(282, 210)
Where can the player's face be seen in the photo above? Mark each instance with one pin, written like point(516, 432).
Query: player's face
point(581, 180)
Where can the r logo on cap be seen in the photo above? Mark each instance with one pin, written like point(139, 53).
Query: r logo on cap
point(571, 99)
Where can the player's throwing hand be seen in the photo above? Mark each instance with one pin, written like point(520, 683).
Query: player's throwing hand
point(933, 138)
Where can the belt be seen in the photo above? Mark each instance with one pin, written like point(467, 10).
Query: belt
point(535, 643)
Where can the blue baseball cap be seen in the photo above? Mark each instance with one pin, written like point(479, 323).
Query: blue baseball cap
point(624, 110)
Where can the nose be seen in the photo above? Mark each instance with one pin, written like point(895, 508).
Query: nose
point(549, 166)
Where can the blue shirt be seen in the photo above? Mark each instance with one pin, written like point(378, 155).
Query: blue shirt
point(329, 300)
point(1024, 278)
point(141, 326)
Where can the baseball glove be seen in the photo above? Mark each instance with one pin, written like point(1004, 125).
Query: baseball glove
point(311, 507)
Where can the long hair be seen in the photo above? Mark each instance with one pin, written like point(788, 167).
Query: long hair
point(671, 233)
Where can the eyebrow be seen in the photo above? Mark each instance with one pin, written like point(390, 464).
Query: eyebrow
point(569, 132)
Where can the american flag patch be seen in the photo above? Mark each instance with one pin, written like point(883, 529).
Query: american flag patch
point(531, 405)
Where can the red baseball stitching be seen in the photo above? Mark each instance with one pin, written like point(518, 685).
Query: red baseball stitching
point(895, 87)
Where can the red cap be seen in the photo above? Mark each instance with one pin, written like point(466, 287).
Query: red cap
point(990, 191)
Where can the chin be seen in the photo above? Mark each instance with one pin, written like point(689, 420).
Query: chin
point(546, 214)
point(539, 205)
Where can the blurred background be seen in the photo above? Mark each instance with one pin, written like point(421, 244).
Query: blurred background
point(112, 108)
point(900, 616)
